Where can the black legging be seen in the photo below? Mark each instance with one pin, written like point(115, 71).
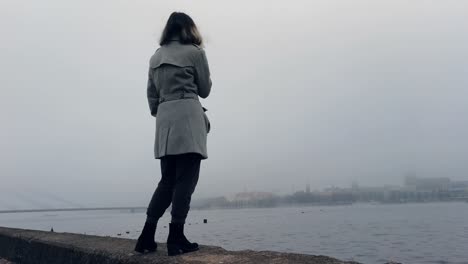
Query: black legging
point(178, 181)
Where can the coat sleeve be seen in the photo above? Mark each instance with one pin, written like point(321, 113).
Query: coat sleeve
point(152, 94)
point(202, 77)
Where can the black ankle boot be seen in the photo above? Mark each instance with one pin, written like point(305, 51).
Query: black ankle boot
point(177, 243)
point(146, 239)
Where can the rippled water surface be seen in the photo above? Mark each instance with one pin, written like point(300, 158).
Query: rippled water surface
point(407, 233)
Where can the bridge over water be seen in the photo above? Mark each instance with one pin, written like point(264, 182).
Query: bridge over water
point(131, 209)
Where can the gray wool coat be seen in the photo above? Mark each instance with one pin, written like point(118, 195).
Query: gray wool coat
point(178, 75)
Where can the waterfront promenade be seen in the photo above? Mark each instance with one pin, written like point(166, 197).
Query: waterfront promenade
point(31, 246)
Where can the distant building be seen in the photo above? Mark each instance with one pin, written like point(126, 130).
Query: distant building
point(251, 196)
point(458, 186)
point(427, 184)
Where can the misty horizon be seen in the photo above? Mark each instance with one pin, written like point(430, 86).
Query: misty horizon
point(324, 93)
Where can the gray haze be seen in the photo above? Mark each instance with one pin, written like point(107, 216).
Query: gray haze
point(325, 92)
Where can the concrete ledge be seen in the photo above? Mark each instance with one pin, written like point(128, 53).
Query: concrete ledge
point(31, 246)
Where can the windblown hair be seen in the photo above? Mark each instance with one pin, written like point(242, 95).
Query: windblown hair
point(181, 26)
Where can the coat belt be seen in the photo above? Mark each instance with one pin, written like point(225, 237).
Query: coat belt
point(181, 96)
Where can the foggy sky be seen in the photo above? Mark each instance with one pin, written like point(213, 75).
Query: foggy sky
point(325, 92)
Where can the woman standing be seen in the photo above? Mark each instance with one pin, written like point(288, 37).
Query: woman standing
point(178, 75)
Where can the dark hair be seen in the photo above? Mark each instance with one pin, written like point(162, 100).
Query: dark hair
point(181, 26)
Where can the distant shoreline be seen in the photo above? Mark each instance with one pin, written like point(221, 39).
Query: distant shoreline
point(142, 208)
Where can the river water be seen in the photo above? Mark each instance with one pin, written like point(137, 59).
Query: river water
point(368, 233)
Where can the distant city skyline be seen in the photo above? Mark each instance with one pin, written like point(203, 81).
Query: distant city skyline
point(45, 201)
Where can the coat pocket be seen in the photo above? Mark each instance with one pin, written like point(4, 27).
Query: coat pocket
point(207, 123)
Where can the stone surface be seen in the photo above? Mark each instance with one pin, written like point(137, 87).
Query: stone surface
point(31, 246)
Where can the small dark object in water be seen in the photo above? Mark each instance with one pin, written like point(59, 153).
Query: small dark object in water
point(165, 226)
point(52, 229)
point(119, 234)
point(189, 224)
point(128, 232)
point(205, 221)
point(302, 212)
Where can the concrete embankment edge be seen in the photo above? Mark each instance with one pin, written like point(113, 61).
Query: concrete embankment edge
point(32, 246)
